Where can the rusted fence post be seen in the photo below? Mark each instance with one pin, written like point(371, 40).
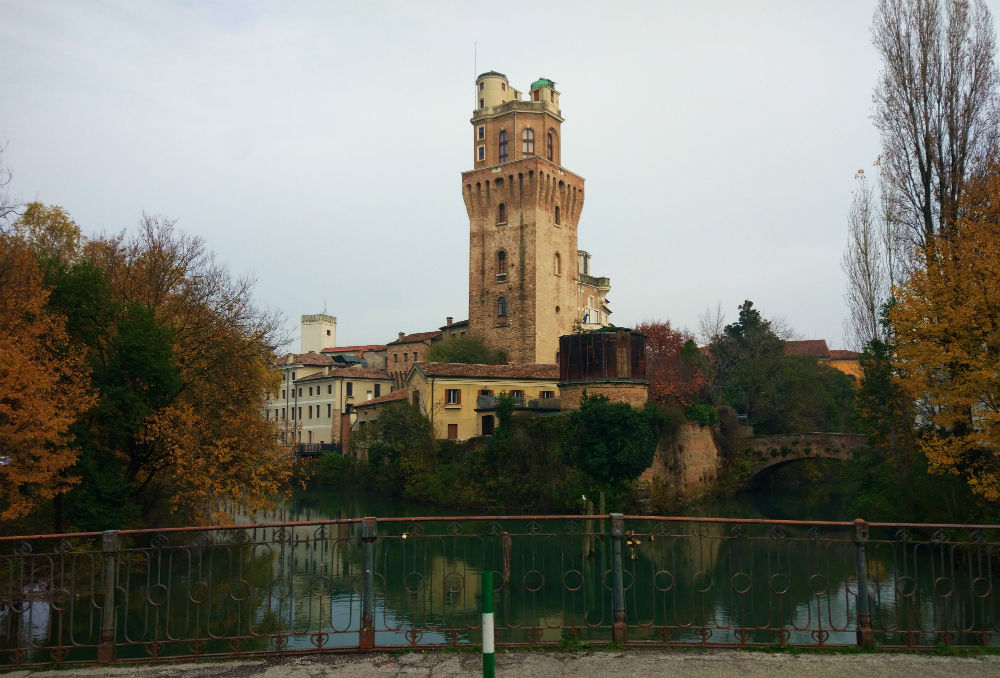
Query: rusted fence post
point(367, 635)
point(866, 636)
point(619, 631)
point(109, 548)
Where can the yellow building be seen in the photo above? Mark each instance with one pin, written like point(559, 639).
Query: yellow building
point(847, 362)
point(459, 399)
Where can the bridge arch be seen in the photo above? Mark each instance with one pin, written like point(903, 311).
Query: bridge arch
point(770, 451)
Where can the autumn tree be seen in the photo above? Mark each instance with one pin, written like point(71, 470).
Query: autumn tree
point(674, 366)
point(203, 437)
point(935, 105)
point(947, 323)
point(44, 388)
point(49, 232)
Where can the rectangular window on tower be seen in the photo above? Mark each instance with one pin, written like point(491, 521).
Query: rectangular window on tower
point(481, 153)
point(482, 131)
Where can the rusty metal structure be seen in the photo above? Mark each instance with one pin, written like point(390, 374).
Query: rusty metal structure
point(618, 355)
point(359, 584)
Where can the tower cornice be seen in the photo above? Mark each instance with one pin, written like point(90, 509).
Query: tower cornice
point(532, 162)
point(516, 106)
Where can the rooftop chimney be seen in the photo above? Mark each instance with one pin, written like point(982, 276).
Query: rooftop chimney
point(401, 335)
point(448, 320)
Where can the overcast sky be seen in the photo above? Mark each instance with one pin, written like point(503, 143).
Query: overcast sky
point(318, 145)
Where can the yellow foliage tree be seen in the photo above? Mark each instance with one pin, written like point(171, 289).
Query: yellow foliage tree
point(211, 441)
point(44, 388)
point(49, 232)
point(947, 323)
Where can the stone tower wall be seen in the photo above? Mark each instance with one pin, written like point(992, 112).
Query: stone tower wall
point(530, 189)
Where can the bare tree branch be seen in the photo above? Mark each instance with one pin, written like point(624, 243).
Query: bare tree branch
point(935, 106)
point(710, 324)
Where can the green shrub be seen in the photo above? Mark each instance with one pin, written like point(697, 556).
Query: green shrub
point(703, 414)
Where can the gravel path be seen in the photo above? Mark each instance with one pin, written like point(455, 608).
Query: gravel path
point(630, 663)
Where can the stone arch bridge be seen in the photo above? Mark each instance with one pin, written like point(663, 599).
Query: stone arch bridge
point(769, 451)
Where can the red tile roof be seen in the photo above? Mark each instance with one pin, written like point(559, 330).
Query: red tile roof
point(456, 323)
point(349, 373)
point(536, 371)
point(814, 348)
point(416, 337)
point(400, 394)
point(303, 359)
point(354, 349)
point(844, 355)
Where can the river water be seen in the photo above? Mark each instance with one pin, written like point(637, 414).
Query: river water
point(686, 580)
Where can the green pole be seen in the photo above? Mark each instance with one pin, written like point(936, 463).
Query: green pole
point(489, 663)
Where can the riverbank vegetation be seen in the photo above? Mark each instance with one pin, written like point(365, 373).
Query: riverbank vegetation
point(528, 464)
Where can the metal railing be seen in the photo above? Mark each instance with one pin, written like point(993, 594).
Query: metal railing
point(490, 403)
point(338, 585)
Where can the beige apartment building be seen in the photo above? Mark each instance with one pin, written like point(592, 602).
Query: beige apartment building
point(314, 405)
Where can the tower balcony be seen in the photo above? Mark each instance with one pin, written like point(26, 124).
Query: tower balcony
point(516, 106)
point(601, 283)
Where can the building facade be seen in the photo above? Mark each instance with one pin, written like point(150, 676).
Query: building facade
point(327, 400)
point(408, 349)
point(523, 206)
point(459, 398)
point(314, 399)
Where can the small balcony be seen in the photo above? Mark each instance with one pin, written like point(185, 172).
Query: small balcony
point(487, 403)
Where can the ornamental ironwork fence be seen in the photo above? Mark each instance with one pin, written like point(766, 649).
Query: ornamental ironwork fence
point(339, 585)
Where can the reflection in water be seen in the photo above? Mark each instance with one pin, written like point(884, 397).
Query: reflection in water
point(252, 588)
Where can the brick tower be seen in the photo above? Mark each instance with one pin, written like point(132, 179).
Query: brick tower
point(523, 212)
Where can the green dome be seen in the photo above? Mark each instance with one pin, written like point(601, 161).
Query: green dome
point(543, 82)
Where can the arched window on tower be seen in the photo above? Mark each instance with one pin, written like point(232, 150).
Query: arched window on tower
point(502, 307)
point(501, 266)
point(527, 142)
point(501, 214)
point(503, 146)
point(550, 147)
point(558, 217)
point(557, 264)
